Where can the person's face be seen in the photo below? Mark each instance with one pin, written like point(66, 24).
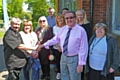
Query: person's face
point(64, 11)
point(42, 22)
point(80, 16)
point(27, 29)
point(51, 12)
point(15, 26)
point(70, 19)
point(60, 21)
point(100, 31)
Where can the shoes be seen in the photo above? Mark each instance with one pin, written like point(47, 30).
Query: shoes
point(47, 78)
point(43, 76)
point(58, 76)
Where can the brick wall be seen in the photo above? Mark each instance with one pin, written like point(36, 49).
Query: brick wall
point(99, 10)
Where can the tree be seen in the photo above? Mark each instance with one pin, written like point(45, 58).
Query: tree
point(14, 7)
point(1, 11)
point(38, 7)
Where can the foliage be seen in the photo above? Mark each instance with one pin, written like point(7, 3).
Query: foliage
point(14, 7)
point(1, 11)
point(2, 34)
point(38, 7)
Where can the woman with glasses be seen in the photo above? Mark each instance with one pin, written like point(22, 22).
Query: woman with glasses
point(103, 56)
point(30, 39)
point(44, 33)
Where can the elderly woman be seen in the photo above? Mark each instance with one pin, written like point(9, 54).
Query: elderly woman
point(103, 56)
point(60, 22)
point(30, 39)
point(44, 33)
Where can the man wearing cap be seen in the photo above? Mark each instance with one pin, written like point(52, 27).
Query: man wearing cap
point(14, 50)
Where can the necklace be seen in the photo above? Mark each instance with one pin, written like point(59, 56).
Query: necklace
point(95, 43)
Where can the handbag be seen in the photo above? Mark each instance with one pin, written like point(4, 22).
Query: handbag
point(51, 56)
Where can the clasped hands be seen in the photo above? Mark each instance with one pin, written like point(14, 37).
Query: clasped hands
point(34, 53)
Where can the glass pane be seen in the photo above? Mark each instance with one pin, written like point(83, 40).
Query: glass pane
point(116, 17)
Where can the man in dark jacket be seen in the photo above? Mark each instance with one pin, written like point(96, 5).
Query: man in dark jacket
point(14, 50)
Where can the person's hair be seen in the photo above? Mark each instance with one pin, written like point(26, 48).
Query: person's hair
point(51, 8)
point(85, 21)
point(65, 9)
point(60, 16)
point(46, 22)
point(71, 12)
point(27, 23)
point(15, 19)
point(98, 25)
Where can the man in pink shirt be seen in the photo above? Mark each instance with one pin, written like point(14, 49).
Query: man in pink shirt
point(73, 59)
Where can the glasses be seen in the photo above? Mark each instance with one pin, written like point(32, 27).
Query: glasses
point(69, 18)
point(42, 21)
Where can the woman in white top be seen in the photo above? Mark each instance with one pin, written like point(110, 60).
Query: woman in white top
point(60, 22)
point(30, 38)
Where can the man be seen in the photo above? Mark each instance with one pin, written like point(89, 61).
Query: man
point(73, 42)
point(51, 18)
point(64, 10)
point(14, 50)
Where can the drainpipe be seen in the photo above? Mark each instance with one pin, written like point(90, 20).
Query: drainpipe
point(91, 13)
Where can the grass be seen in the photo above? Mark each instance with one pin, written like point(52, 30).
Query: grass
point(2, 34)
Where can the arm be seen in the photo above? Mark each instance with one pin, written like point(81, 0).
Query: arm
point(58, 47)
point(83, 51)
point(25, 47)
point(115, 54)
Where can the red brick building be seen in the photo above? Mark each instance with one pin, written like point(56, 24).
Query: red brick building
point(106, 11)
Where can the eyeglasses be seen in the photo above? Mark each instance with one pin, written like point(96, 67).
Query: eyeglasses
point(69, 18)
point(42, 21)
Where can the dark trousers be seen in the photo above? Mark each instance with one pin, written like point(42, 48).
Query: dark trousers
point(57, 55)
point(26, 70)
point(96, 75)
point(14, 74)
point(46, 70)
point(82, 73)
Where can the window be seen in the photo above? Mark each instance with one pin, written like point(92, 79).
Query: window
point(116, 17)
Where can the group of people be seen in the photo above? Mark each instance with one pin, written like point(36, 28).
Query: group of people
point(69, 37)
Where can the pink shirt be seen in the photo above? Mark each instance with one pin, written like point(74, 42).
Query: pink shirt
point(77, 45)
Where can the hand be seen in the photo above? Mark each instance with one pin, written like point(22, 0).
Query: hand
point(33, 55)
point(59, 49)
point(111, 70)
point(80, 68)
point(39, 47)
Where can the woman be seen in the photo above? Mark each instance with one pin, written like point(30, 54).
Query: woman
point(60, 22)
point(30, 39)
point(44, 33)
point(103, 56)
point(81, 19)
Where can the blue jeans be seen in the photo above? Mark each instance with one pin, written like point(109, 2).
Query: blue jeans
point(35, 65)
point(68, 66)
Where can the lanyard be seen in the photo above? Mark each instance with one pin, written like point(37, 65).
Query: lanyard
point(94, 44)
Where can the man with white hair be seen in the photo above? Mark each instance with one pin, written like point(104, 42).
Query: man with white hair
point(14, 50)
